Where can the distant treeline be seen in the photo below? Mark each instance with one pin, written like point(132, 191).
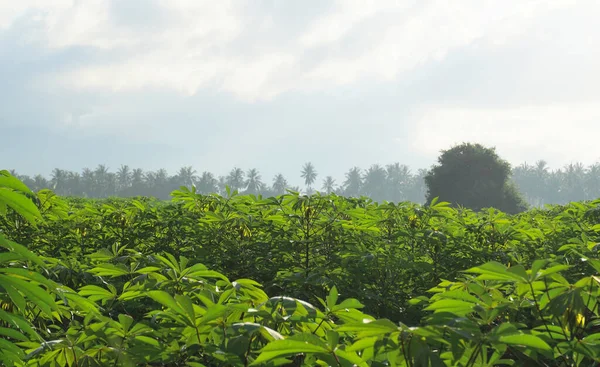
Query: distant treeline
point(394, 182)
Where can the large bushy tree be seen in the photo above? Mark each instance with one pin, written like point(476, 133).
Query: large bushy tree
point(475, 177)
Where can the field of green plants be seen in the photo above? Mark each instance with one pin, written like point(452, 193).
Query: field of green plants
point(293, 280)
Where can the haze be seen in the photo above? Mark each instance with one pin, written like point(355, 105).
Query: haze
point(274, 84)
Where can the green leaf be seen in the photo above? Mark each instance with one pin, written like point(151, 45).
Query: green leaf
point(21, 204)
point(351, 357)
point(96, 293)
point(186, 304)
point(347, 304)
point(166, 300)
point(35, 294)
point(363, 343)
point(19, 323)
point(11, 182)
point(332, 297)
point(495, 271)
point(22, 251)
point(286, 347)
point(525, 340)
point(373, 328)
point(14, 334)
point(147, 340)
point(451, 305)
point(110, 270)
point(125, 321)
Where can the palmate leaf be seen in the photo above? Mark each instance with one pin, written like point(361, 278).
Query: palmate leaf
point(18, 250)
point(11, 182)
point(95, 293)
point(10, 353)
point(351, 357)
point(349, 303)
point(370, 328)
point(495, 271)
point(38, 296)
point(110, 270)
point(21, 204)
point(456, 306)
point(17, 322)
point(525, 340)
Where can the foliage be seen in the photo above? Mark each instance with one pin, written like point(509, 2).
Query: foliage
point(473, 176)
point(539, 184)
point(99, 283)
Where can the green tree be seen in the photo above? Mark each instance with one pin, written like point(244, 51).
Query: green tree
point(59, 181)
point(374, 185)
point(592, 182)
point(208, 184)
point(123, 177)
point(328, 185)
point(398, 181)
point(279, 184)
point(186, 176)
point(473, 176)
point(253, 183)
point(235, 179)
point(40, 182)
point(309, 174)
point(353, 183)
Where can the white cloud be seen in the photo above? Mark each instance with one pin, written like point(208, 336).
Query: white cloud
point(204, 44)
point(538, 56)
point(558, 133)
point(421, 32)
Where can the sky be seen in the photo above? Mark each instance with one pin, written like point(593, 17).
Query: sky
point(272, 84)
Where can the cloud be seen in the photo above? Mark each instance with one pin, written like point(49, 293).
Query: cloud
point(230, 82)
point(188, 45)
point(558, 133)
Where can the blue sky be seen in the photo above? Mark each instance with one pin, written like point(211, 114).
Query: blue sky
point(272, 84)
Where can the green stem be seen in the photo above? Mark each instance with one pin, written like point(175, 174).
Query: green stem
point(539, 310)
point(473, 356)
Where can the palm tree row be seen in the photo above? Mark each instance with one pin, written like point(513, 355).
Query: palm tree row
point(573, 182)
point(393, 182)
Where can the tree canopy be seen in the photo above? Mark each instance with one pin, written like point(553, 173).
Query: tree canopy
point(475, 177)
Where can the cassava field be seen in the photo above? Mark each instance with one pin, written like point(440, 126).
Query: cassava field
point(293, 281)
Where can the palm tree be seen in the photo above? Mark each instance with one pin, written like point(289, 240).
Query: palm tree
point(523, 176)
point(417, 189)
point(137, 177)
point(279, 184)
point(74, 183)
point(102, 180)
point(542, 176)
point(59, 181)
point(162, 189)
point(309, 174)
point(28, 181)
point(253, 182)
point(222, 183)
point(375, 182)
point(123, 177)
point(573, 185)
point(592, 182)
point(398, 181)
point(328, 185)
point(207, 184)
point(353, 183)
point(40, 183)
point(186, 176)
point(88, 181)
point(235, 179)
